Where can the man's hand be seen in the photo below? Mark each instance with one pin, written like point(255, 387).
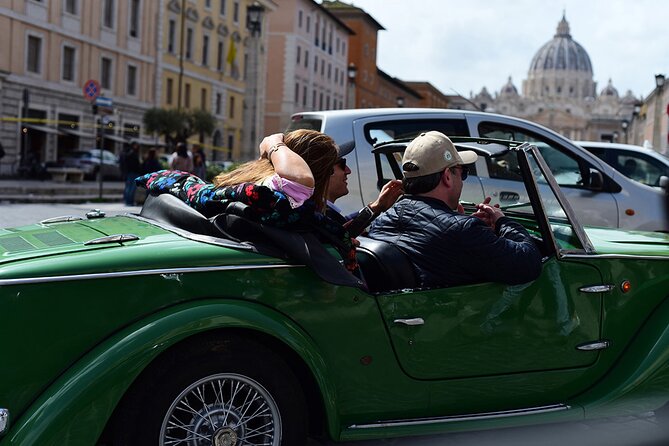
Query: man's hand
point(489, 214)
point(389, 194)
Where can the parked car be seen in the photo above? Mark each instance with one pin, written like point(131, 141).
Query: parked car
point(89, 162)
point(171, 328)
point(600, 195)
point(636, 162)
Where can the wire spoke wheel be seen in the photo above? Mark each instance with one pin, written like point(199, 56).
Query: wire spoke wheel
point(224, 409)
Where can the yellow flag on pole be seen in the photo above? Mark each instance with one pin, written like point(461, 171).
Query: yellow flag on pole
point(232, 52)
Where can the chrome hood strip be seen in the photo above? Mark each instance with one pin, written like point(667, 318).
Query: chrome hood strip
point(458, 418)
point(614, 256)
point(4, 419)
point(148, 272)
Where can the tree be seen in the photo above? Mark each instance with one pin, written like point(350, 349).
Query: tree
point(178, 125)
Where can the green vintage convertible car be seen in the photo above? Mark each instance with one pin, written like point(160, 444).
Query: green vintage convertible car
point(171, 328)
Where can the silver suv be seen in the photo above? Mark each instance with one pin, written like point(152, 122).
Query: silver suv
point(600, 195)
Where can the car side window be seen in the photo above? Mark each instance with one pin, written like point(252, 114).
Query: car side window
point(504, 167)
point(566, 169)
point(388, 167)
point(382, 131)
point(638, 167)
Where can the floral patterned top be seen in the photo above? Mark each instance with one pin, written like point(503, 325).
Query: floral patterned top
point(268, 206)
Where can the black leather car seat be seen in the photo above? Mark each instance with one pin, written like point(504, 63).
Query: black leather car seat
point(168, 209)
point(384, 266)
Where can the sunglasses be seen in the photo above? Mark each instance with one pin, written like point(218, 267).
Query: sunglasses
point(341, 162)
point(464, 171)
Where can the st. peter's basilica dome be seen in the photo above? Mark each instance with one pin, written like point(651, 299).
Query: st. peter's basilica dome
point(560, 69)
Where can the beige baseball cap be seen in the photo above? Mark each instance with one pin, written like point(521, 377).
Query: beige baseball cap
point(432, 152)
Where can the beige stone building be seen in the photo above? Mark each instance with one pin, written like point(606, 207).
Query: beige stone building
point(211, 58)
point(650, 120)
point(48, 51)
point(307, 60)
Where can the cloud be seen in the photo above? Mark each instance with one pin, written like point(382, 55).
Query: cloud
point(468, 45)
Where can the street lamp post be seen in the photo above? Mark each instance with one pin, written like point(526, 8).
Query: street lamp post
point(624, 124)
point(657, 119)
point(23, 162)
point(351, 73)
point(636, 112)
point(254, 15)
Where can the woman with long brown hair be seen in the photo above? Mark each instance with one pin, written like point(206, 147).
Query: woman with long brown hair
point(298, 164)
point(286, 187)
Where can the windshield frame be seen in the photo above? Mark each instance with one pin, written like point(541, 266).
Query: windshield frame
point(535, 198)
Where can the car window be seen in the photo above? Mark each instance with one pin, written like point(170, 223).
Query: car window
point(566, 168)
point(383, 131)
point(389, 164)
point(597, 151)
point(388, 167)
point(638, 166)
point(504, 167)
point(299, 122)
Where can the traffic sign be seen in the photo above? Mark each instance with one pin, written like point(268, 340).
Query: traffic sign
point(102, 101)
point(91, 89)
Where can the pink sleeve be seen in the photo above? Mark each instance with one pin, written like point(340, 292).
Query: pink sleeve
point(297, 193)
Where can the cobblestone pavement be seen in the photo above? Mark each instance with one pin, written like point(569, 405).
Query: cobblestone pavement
point(642, 430)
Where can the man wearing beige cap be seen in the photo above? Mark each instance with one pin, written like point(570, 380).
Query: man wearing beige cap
point(447, 247)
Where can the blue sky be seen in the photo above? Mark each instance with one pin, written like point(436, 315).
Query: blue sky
point(465, 45)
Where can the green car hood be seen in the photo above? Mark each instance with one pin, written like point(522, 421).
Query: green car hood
point(54, 239)
point(613, 241)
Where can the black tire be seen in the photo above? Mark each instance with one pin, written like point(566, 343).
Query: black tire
point(262, 402)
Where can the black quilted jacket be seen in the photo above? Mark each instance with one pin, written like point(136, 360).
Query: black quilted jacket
point(449, 249)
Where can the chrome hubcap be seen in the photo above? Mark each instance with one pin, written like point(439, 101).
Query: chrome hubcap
point(222, 410)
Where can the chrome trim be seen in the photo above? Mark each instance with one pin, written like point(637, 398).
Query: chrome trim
point(597, 288)
point(116, 238)
point(62, 219)
point(458, 418)
point(593, 346)
point(612, 256)
point(410, 321)
point(95, 213)
point(4, 419)
point(148, 272)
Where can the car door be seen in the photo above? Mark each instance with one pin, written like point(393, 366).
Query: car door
point(490, 328)
point(540, 333)
point(595, 206)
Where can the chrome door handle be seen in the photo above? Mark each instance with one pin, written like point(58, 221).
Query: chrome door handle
point(410, 321)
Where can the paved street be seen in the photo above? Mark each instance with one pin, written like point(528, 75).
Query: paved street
point(627, 431)
point(23, 214)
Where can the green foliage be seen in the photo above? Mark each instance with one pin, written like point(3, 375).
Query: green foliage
point(214, 169)
point(178, 125)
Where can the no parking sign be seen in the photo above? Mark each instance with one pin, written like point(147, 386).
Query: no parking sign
point(92, 89)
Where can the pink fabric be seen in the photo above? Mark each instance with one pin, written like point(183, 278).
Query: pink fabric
point(297, 193)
